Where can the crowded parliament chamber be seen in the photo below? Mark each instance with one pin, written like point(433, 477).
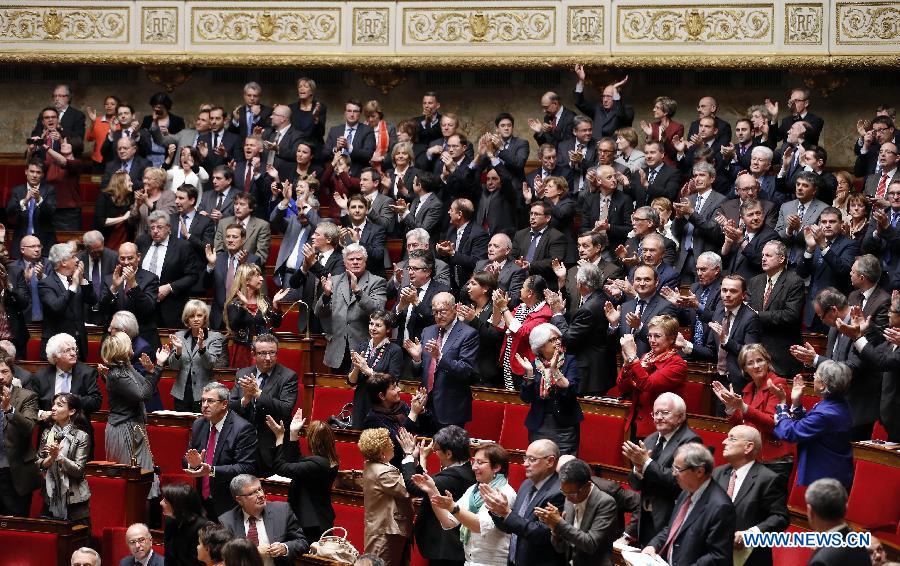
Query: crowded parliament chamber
point(429, 283)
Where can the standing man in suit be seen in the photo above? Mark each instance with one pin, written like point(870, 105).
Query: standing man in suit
point(196, 229)
point(26, 273)
point(777, 297)
point(549, 167)
point(511, 276)
point(867, 295)
point(175, 265)
point(251, 113)
point(258, 232)
point(537, 246)
point(653, 254)
point(297, 230)
point(497, 201)
point(221, 268)
point(798, 104)
point(219, 202)
point(270, 525)
point(380, 211)
point(657, 180)
point(697, 308)
point(556, 126)
point(224, 146)
point(604, 208)
point(425, 209)
point(126, 160)
point(695, 225)
point(883, 236)
point(32, 206)
point(707, 107)
point(444, 359)
point(634, 314)
point(19, 475)
point(826, 506)
point(584, 529)
point(280, 142)
point(430, 120)
point(796, 215)
point(746, 187)
point(262, 390)
point(222, 445)
point(611, 114)
point(413, 308)
point(690, 151)
point(353, 138)
point(702, 529)
point(71, 119)
point(345, 305)
point(512, 151)
point(130, 288)
point(876, 184)
point(531, 539)
point(140, 545)
point(760, 501)
point(744, 242)
point(578, 153)
point(320, 259)
point(64, 294)
point(358, 229)
point(590, 251)
point(651, 472)
point(464, 245)
point(99, 262)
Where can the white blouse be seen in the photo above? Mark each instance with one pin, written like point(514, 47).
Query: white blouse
point(490, 547)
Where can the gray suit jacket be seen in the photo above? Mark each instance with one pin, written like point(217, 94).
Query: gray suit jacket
point(706, 236)
point(429, 217)
point(591, 543)
point(259, 236)
point(870, 185)
point(511, 278)
point(291, 228)
point(345, 316)
point(281, 526)
point(380, 213)
point(199, 367)
point(795, 242)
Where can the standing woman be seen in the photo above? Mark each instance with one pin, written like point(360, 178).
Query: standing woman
point(857, 216)
point(629, 155)
point(664, 128)
point(311, 476)
point(160, 124)
point(113, 211)
point(388, 506)
point(13, 301)
point(562, 216)
point(195, 352)
point(187, 171)
point(551, 387)
point(377, 355)
point(397, 182)
point(126, 425)
point(385, 134)
point(62, 455)
point(478, 315)
point(99, 129)
point(152, 196)
point(518, 324)
point(183, 517)
point(248, 313)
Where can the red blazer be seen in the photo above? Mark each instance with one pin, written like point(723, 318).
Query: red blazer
point(646, 384)
point(520, 344)
point(761, 416)
point(672, 130)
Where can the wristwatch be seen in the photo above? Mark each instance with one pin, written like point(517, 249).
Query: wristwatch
point(455, 509)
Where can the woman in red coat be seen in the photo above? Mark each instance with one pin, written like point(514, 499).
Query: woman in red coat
point(664, 128)
point(518, 324)
point(658, 371)
point(755, 406)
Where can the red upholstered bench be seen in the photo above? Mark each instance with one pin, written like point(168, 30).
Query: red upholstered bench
point(349, 455)
point(169, 444)
point(516, 475)
point(513, 434)
point(693, 393)
point(33, 348)
point(108, 500)
point(601, 439)
point(274, 246)
point(351, 518)
point(39, 541)
point(165, 392)
point(797, 498)
point(791, 556)
point(487, 420)
point(328, 401)
point(99, 440)
point(115, 548)
point(712, 439)
point(875, 497)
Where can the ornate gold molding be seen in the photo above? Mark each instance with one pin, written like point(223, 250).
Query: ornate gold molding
point(384, 80)
point(371, 26)
point(695, 24)
point(497, 26)
point(169, 77)
point(586, 25)
point(868, 23)
point(222, 26)
point(64, 24)
point(823, 81)
point(804, 24)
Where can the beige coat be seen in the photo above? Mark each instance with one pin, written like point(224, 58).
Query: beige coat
point(388, 505)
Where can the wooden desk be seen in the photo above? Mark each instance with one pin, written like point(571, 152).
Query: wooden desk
point(69, 536)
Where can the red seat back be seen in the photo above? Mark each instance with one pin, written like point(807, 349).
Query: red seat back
point(33, 348)
point(513, 434)
point(165, 392)
point(487, 420)
point(611, 430)
point(114, 546)
point(107, 504)
point(351, 518)
point(169, 444)
point(791, 556)
point(99, 440)
point(693, 394)
point(516, 475)
point(713, 439)
point(349, 455)
point(797, 498)
point(101, 385)
point(93, 353)
point(274, 246)
point(22, 548)
point(879, 433)
point(328, 401)
point(875, 496)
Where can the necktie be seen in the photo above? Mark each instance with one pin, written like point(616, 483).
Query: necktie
point(894, 217)
point(526, 502)
point(731, 484)
point(699, 206)
point(768, 292)
point(689, 235)
point(639, 310)
point(263, 377)
point(248, 178)
point(220, 198)
point(657, 450)
point(673, 528)
point(350, 133)
point(882, 186)
point(722, 363)
point(297, 252)
point(651, 177)
point(29, 230)
point(358, 231)
point(249, 120)
point(698, 324)
point(604, 209)
point(252, 533)
point(215, 142)
point(229, 276)
point(182, 225)
point(519, 313)
point(66, 385)
point(801, 210)
point(154, 259)
point(432, 366)
point(270, 158)
point(36, 312)
point(532, 247)
point(406, 332)
point(95, 278)
point(208, 459)
point(124, 166)
point(886, 258)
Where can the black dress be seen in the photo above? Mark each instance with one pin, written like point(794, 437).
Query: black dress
point(181, 541)
point(386, 359)
point(310, 492)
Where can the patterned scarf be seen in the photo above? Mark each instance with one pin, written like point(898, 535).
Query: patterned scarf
point(475, 503)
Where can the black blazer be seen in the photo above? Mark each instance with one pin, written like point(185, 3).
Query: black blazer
point(779, 321)
point(42, 218)
point(140, 300)
point(514, 157)
point(429, 132)
point(707, 534)
point(490, 340)
point(831, 269)
point(286, 153)
point(472, 249)
point(208, 203)
point(16, 302)
point(723, 136)
point(811, 137)
point(760, 502)
point(656, 305)
point(217, 279)
point(842, 556)
point(303, 123)
point(72, 122)
point(279, 395)
point(176, 123)
point(281, 526)
point(136, 171)
point(64, 311)
point(552, 245)
point(235, 454)
point(621, 207)
point(311, 290)
point(533, 544)
point(261, 119)
point(433, 541)
point(584, 336)
point(180, 270)
point(181, 541)
point(420, 316)
point(606, 122)
point(363, 146)
point(310, 492)
point(233, 150)
point(562, 130)
point(84, 385)
point(666, 184)
point(747, 262)
point(745, 329)
point(497, 210)
point(374, 240)
point(561, 403)
point(201, 232)
point(563, 171)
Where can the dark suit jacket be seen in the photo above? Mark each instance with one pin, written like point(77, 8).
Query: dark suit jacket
point(233, 149)
point(621, 207)
point(64, 311)
point(286, 153)
point(606, 122)
point(218, 280)
point(511, 278)
point(472, 248)
point(552, 245)
point(311, 478)
point(562, 403)
point(558, 171)
point(562, 131)
point(235, 454)
point(278, 397)
point(812, 136)
point(363, 146)
point(865, 388)
point(843, 556)
point(434, 542)
point(723, 136)
point(667, 183)
point(428, 218)
point(136, 171)
point(180, 270)
point(42, 217)
point(760, 502)
point(498, 210)
point(514, 155)
point(885, 243)
point(84, 385)
point(731, 209)
point(886, 357)
point(533, 545)
point(17, 437)
point(281, 526)
point(706, 536)
point(140, 300)
point(706, 236)
point(747, 262)
point(656, 305)
point(155, 560)
point(261, 119)
point(591, 542)
point(876, 307)
point(429, 132)
point(779, 321)
point(108, 262)
point(583, 336)
point(589, 161)
point(831, 269)
point(308, 128)
point(745, 329)
point(310, 288)
point(208, 203)
point(17, 304)
point(201, 232)
point(374, 239)
point(72, 122)
point(454, 373)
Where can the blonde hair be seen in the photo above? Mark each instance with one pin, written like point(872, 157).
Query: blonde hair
point(191, 308)
point(118, 189)
point(242, 275)
point(372, 443)
point(666, 323)
point(116, 350)
point(158, 174)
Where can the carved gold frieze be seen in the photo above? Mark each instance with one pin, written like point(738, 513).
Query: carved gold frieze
point(64, 24)
point(804, 24)
point(159, 25)
point(273, 25)
point(497, 26)
point(696, 24)
point(370, 26)
point(585, 25)
point(869, 23)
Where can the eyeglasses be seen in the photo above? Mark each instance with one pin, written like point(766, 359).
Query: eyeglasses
point(252, 493)
point(878, 130)
point(677, 470)
point(533, 459)
point(887, 152)
point(413, 268)
point(210, 401)
point(266, 354)
point(69, 350)
point(140, 540)
point(440, 311)
point(660, 413)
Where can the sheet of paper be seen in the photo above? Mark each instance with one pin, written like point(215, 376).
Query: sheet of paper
point(638, 559)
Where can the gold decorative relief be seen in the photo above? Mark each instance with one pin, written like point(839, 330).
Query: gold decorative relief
point(370, 26)
point(384, 79)
point(159, 25)
point(804, 24)
point(869, 23)
point(700, 24)
point(63, 23)
point(824, 81)
point(585, 24)
point(276, 25)
point(497, 26)
point(169, 77)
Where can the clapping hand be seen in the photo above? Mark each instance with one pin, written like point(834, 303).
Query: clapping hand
point(805, 354)
point(636, 453)
point(494, 500)
point(147, 363)
point(414, 349)
point(277, 428)
point(613, 314)
point(297, 422)
point(526, 366)
point(407, 441)
point(732, 401)
point(418, 401)
point(548, 515)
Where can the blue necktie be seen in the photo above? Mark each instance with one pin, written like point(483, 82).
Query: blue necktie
point(887, 250)
point(95, 278)
point(301, 239)
point(37, 314)
point(698, 324)
point(66, 385)
point(514, 540)
point(640, 312)
point(532, 247)
point(29, 230)
point(350, 132)
point(689, 236)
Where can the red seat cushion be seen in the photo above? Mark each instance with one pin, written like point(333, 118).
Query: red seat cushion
point(99, 440)
point(349, 455)
point(165, 392)
point(693, 394)
point(169, 444)
point(107, 504)
point(797, 498)
point(513, 434)
point(22, 548)
point(611, 430)
point(516, 475)
point(487, 420)
point(791, 556)
point(875, 496)
point(328, 401)
point(713, 440)
point(879, 433)
point(351, 518)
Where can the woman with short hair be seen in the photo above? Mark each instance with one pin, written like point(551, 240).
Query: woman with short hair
point(210, 540)
point(377, 355)
point(153, 196)
point(517, 324)
point(627, 146)
point(195, 353)
point(480, 288)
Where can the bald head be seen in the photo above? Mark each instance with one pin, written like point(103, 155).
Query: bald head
point(742, 445)
point(30, 248)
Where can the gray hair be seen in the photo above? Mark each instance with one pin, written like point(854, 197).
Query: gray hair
point(869, 267)
point(779, 246)
point(676, 400)
point(828, 498)
point(835, 376)
point(696, 455)
point(60, 253)
point(239, 482)
point(95, 556)
point(762, 151)
point(590, 276)
point(419, 235)
point(330, 231)
point(507, 241)
point(353, 248)
point(56, 343)
point(541, 334)
point(8, 347)
point(126, 322)
point(253, 85)
point(651, 213)
point(158, 215)
point(704, 167)
point(93, 237)
point(711, 258)
point(656, 237)
point(219, 389)
point(575, 471)
point(830, 297)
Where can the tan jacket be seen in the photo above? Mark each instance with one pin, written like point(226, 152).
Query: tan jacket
point(388, 504)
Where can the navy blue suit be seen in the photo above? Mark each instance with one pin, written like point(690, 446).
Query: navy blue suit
point(744, 330)
point(831, 269)
point(747, 262)
point(472, 249)
point(531, 537)
point(450, 400)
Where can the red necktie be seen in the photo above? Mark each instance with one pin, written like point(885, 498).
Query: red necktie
point(432, 367)
point(252, 533)
point(210, 452)
point(676, 524)
point(731, 484)
point(882, 186)
point(768, 293)
point(248, 178)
